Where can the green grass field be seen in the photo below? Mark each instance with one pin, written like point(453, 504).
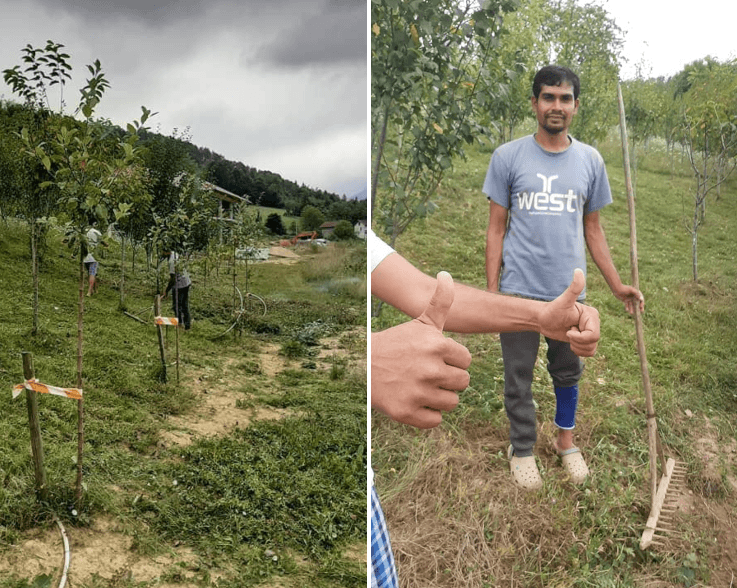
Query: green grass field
point(454, 516)
point(274, 497)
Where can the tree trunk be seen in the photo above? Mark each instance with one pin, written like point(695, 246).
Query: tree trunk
point(235, 274)
point(122, 271)
point(80, 403)
point(36, 443)
point(379, 153)
point(34, 271)
point(694, 245)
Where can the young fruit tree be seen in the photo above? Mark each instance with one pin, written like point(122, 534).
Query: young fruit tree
point(83, 162)
point(709, 136)
point(428, 67)
point(30, 197)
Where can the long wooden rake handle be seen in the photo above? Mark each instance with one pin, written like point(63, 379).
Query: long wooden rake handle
point(652, 426)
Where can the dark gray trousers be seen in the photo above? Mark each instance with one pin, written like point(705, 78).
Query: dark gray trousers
point(519, 351)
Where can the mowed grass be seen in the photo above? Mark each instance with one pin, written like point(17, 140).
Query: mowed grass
point(454, 515)
point(292, 488)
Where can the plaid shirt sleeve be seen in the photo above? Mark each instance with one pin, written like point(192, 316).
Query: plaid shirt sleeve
point(383, 570)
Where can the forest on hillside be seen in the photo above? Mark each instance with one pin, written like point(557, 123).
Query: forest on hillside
point(166, 158)
point(263, 187)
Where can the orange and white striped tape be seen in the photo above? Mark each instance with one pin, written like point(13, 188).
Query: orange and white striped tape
point(162, 320)
point(36, 386)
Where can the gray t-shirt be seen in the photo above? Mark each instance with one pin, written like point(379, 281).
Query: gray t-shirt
point(182, 276)
point(93, 238)
point(547, 195)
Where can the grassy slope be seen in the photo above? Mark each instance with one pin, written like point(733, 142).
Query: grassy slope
point(456, 519)
point(231, 489)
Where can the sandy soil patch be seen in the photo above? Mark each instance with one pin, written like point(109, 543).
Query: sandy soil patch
point(102, 550)
point(218, 411)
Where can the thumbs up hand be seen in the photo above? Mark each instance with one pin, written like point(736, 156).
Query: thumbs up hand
point(564, 319)
point(415, 369)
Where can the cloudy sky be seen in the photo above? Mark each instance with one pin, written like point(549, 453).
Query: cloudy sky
point(665, 36)
point(280, 85)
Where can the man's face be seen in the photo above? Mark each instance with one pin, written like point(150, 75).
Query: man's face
point(555, 107)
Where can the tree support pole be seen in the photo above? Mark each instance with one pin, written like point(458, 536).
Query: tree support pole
point(177, 329)
point(157, 312)
point(35, 427)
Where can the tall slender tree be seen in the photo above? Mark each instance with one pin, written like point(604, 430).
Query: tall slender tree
point(75, 157)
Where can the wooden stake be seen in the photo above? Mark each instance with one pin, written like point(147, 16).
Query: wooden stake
point(177, 330)
point(35, 427)
point(652, 425)
point(157, 312)
point(133, 316)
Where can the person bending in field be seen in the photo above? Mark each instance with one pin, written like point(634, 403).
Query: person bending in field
point(545, 192)
point(416, 372)
point(180, 282)
point(93, 239)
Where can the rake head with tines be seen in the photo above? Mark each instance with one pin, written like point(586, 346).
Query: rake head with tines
point(661, 521)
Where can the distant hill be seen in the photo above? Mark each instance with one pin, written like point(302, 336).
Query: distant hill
point(261, 187)
point(362, 195)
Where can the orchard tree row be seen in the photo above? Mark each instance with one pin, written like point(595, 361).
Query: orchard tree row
point(75, 170)
point(447, 73)
point(695, 113)
point(72, 169)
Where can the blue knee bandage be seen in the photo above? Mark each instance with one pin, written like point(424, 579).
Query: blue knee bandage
point(566, 403)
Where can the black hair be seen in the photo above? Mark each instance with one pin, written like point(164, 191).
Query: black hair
point(555, 75)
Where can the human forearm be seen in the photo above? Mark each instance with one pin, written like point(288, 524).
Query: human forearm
point(599, 250)
point(399, 283)
point(495, 244)
point(170, 284)
point(493, 261)
point(563, 319)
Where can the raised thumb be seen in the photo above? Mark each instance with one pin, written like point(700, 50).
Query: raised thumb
point(440, 303)
point(577, 285)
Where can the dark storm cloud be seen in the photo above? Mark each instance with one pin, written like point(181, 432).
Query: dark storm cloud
point(279, 85)
point(148, 13)
point(288, 33)
point(336, 34)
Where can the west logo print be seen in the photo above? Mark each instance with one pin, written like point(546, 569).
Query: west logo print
point(546, 201)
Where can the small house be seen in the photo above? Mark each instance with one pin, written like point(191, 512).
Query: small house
point(359, 229)
point(326, 229)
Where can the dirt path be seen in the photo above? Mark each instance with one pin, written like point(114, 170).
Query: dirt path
point(219, 393)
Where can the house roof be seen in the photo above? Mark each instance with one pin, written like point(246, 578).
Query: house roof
point(328, 225)
point(223, 194)
point(220, 193)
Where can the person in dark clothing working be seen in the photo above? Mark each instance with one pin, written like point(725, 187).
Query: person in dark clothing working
point(180, 282)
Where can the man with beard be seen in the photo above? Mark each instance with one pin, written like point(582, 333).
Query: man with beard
point(546, 191)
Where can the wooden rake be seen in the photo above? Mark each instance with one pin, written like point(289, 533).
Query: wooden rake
point(664, 496)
